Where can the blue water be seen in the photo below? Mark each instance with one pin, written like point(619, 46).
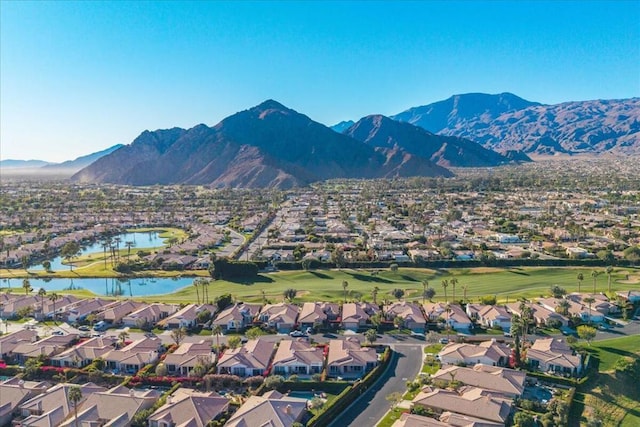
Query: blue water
point(134, 287)
point(303, 394)
point(140, 240)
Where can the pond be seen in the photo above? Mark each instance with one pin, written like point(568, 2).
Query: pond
point(140, 241)
point(134, 287)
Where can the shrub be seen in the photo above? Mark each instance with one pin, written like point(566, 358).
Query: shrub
point(161, 370)
point(273, 381)
point(488, 300)
point(255, 381)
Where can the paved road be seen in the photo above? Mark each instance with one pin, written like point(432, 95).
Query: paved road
point(237, 240)
point(371, 406)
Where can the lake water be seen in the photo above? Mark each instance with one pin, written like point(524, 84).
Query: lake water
point(141, 241)
point(134, 287)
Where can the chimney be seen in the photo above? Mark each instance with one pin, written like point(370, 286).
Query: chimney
point(288, 409)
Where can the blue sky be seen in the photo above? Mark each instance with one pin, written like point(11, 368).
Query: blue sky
point(77, 77)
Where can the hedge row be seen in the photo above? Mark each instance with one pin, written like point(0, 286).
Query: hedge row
point(569, 382)
point(331, 387)
point(10, 371)
point(350, 394)
point(526, 262)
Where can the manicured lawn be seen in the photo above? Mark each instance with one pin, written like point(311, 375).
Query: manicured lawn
point(613, 400)
point(391, 417)
point(409, 395)
point(164, 233)
point(609, 351)
point(430, 368)
point(326, 285)
point(433, 348)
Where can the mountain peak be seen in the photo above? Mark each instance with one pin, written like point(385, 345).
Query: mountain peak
point(442, 115)
point(270, 104)
point(342, 126)
point(380, 131)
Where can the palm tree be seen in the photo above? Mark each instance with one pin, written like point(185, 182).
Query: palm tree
point(129, 245)
point(122, 336)
point(345, 285)
point(609, 270)
point(75, 396)
point(594, 274)
point(205, 287)
point(525, 313)
point(453, 282)
point(196, 284)
point(53, 297)
point(563, 307)
point(26, 285)
point(69, 251)
point(589, 300)
point(580, 279)
point(374, 294)
point(445, 285)
point(117, 240)
point(425, 285)
point(448, 310)
point(464, 292)
point(105, 244)
point(217, 330)
point(264, 296)
point(41, 293)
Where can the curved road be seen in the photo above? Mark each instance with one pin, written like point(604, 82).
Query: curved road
point(373, 405)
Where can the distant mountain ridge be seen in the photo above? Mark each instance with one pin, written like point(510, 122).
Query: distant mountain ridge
point(22, 164)
point(342, 126)
point(447, 151)
point(82, 161)
point(266, 146)
point(456, 111)
point(506, 122)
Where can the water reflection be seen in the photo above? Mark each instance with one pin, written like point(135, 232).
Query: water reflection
point(139, 241)
point(109, 286)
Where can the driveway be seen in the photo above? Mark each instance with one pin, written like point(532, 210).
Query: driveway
point(373, 405)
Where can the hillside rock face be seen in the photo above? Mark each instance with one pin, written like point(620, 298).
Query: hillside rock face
point(265, 146)
point(505, 122)
point(381, 131)
point(459, 111)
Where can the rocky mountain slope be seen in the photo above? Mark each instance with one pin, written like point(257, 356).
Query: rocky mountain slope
point(506, 122)
point(381, 131)
point(266, 146)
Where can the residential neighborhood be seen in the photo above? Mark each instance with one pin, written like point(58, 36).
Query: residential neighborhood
point(478, 380)
point(296, 305)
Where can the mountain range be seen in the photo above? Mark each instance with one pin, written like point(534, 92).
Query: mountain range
point(271, 145)
point(506, 122)
point(82, 161)
point(268, 145)
point(383, 132)
point(69, 166)
point(22, 164)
